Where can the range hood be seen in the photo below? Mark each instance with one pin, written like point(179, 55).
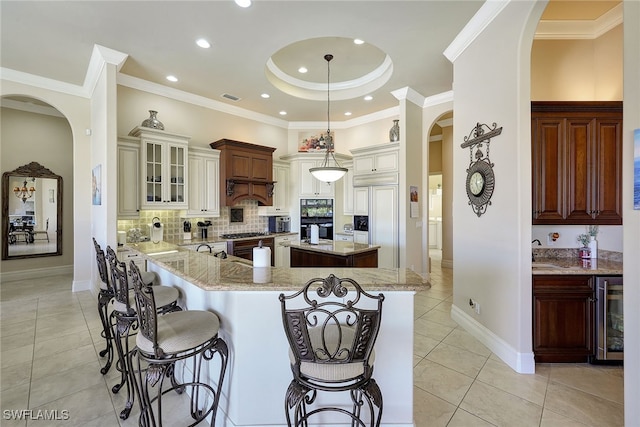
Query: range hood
point(246, 172)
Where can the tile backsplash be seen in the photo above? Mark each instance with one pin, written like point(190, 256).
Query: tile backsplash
point(173, 220)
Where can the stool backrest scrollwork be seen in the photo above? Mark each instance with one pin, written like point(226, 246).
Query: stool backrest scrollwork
point(120, 281)
point(102, 265)
point(146, 308)
point(332, 321)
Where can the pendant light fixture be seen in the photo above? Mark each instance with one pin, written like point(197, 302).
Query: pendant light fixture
point(326, 172)
point(23, 192)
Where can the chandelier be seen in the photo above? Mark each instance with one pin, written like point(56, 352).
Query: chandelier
point(24, 193)
point(326, 172)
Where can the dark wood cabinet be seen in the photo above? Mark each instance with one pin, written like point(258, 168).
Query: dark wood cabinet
point(563, 318)
point(244, 248)
point(577, 162)
point(304, 258)
point(246, 172)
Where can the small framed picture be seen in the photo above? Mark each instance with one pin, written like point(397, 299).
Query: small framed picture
point(96, 185)
point(236, 215)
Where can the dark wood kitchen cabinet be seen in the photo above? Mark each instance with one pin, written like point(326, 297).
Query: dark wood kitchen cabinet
point(577, 162)
point(246, 172)
point(244, 248)
point(563, 318)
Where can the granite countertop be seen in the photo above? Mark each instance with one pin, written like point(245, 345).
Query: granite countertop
point(336, 247)
point(237, 274)
point(217, 239)
point(596, 266)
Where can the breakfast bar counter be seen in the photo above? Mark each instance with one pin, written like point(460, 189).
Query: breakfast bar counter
point(246, 300)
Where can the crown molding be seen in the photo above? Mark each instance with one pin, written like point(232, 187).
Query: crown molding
point(408, 94)
point(483, 17)
point(30, 107)
point(42, 82)
point(179, 95)
point(99, 57)
point(580, 30)
point(445, 123)
point(438, 99)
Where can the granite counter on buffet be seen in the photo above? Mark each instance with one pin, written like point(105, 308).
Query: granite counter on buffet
point(246, 300)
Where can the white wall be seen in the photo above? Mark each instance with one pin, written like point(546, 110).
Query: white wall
point(490, 257)
point(631, 217)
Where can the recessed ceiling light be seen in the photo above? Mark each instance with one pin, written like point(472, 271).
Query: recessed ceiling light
point(368, 98)
point(265, 95)
point(302, 70)
point(358, 41)
point(283, 113)
point(243, 3)
point(348, 113)
point(172, 78)
point(203, 43)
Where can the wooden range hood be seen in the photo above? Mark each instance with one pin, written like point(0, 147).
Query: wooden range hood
point(246, 172)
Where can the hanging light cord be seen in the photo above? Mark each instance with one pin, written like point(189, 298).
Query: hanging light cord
point(328, 58)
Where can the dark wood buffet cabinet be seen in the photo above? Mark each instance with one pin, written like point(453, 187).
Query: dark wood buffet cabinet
point(563, 318)
point(577, 162)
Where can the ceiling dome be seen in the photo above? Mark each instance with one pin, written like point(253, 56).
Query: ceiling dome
point(356, 69)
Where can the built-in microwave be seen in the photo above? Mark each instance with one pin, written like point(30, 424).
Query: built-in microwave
point(361, 223)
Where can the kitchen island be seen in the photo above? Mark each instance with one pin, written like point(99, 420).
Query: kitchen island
point(332, 253)
point(246, 300)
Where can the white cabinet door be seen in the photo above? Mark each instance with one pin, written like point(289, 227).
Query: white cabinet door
point(379, 159)
point(128, 179)
point(383, 224)
point(283, 253)
point(361, 201)
point(163, 169)
point(204, 185)
point(347, 191)
point(309, 186)
point(361, 237)
point(280, 192)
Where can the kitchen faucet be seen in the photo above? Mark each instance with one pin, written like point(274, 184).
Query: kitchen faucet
point(205, 245)
point(533, 256)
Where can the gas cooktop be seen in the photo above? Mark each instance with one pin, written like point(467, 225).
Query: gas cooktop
point(243, 235)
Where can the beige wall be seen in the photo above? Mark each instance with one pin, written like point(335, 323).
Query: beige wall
point(30, 137)
point(578, 70)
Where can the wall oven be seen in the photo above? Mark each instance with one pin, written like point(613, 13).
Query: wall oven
point(609, 319)
point(318, 212)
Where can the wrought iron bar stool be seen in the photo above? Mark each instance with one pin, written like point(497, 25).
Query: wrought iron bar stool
point(124, 320)
point(332, 325)
point(164, 340)
point(105, 296)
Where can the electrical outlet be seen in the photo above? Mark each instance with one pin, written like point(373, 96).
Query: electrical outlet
point(477, 307)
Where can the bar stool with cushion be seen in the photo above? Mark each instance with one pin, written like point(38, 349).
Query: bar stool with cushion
point(105, 296)
point(164, 340)
point(331, 334)
point(125, 320)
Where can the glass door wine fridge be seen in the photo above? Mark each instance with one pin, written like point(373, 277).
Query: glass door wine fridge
point(609, 318)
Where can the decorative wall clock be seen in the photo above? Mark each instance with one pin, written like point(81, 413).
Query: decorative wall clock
point(480, 180)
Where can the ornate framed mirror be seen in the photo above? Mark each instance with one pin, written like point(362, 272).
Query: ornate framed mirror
point(31, 212)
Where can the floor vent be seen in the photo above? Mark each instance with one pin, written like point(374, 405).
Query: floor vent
point(231, 97)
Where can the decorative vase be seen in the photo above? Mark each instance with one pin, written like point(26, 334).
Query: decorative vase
point(394, 132)
point(152, 121)
point(584, 253)
point(593, 247)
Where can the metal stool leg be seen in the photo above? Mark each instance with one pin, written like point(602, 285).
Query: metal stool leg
point(103, 310)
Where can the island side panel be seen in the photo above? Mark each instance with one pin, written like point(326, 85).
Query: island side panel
point(259, 370)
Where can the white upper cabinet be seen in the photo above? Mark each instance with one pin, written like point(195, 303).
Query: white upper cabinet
point(128, 177)
point(164, 170)
point(310, 187)
point(281, 171)
point(204, 183)
point(347, 190)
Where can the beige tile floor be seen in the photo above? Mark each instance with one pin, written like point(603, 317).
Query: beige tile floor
point(50, 339)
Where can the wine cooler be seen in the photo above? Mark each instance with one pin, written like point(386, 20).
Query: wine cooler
point(609, 319)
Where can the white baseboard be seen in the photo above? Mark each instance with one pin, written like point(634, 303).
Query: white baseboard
point(523, 363)
point(82, 285)
point(36, 273)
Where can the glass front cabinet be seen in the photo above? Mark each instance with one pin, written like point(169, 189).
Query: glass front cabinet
point(164, 173)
